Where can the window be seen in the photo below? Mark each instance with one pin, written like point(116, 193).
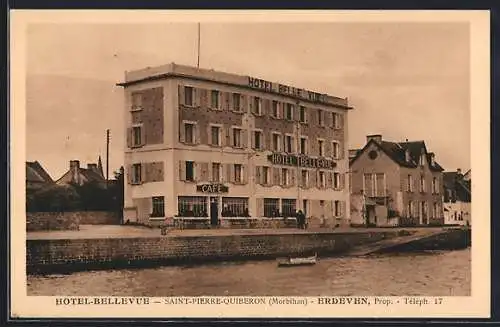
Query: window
point(236, 102)
point(236, 137)
point(188, 95)
point(422, 160)
point(335, 150)
point(422, 184)
point(215, 134)
point(302, 114)
point(215, 172)
point(320, 117)
point(435, 208)
point(271, 207)
point(189, 137)
point(336, 181)
point(192, 206)
point(136, 101)
point(304, 180)
point(335, 120)
point(257, 137)
point(288, 144)
point(289, 111)
point(276, 142)
point(136, 136)
point(322, 179)
point(257, 106)
point(380, 184)
point(284, 177)
point(214, 99)
point(409, 209)
point(368, 187)
point(158, 206)
point(435, 185)
point(423, 211)
point(190, 171)
point(337, 208)
point(288, 207)
point(410, 183)
point(321, 147)
point(136, 173)
point(266, 175)
point(238, 173)
point(235, 207)
point(276, 109)
point(303, 145)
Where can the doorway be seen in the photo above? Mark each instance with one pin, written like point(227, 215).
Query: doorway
point(304, 207)
point(371, 216)
point(214, 211)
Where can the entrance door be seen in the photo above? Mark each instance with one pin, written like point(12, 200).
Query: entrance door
point(371, 215)
point(214, 211)
point(304, 206)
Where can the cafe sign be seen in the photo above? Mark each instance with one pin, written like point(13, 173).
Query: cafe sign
point(261, 84)
point(212, 188)
point(301, 161)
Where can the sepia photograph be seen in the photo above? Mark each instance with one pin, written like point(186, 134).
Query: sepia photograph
point(251, 158)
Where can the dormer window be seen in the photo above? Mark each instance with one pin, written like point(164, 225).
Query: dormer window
point(422, 160)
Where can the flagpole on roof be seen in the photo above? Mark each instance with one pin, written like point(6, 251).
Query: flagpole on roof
point(199, 33)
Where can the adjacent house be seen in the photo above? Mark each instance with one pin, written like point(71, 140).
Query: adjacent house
point(36, 177)
point(457, 198)
point(395, 184)
point(78, 176)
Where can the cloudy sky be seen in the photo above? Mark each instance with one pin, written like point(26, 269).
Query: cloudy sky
point(405, 80)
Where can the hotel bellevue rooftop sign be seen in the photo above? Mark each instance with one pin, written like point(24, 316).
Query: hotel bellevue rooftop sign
point(286, 90)
point(301, 161)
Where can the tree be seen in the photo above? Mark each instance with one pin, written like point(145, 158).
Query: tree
point(55, 198)
point(117, 189)
point(93, 196)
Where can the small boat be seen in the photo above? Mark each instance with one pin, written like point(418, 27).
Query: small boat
point(304, 261)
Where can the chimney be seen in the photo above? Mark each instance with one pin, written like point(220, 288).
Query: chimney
point(459, 171)
point(74, 167)
point(376, 137)
point(92, 167)
point(432, 158)
point(74, 164)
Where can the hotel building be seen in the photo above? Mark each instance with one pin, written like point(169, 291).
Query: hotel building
point(212, 145)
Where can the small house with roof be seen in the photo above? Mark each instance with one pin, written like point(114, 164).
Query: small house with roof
point(395, 184)
point(457, 198)
point(36, 177)
point(77, 175)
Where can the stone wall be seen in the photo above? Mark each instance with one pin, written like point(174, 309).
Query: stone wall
point(81, 254)
point(38, 221)
point(98, 218)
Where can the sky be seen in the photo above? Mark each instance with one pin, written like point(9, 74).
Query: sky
point(404, 80)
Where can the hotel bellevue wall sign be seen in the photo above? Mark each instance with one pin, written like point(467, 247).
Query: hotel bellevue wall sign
point(301, 161)
point(286, 90)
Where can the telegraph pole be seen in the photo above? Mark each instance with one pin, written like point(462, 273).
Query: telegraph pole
point(107, 157)
point(199, 40)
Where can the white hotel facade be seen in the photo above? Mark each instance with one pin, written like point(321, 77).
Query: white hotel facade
point(216, 146)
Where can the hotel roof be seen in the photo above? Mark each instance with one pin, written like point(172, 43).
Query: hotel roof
point(173, 70)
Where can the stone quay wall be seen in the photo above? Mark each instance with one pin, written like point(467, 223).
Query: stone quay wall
point(82, 254)
point(66, 255)
point(39, 221)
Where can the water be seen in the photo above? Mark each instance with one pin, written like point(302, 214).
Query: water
point(426, 274)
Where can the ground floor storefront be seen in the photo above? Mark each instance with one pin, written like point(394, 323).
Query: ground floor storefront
point(224, 210)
